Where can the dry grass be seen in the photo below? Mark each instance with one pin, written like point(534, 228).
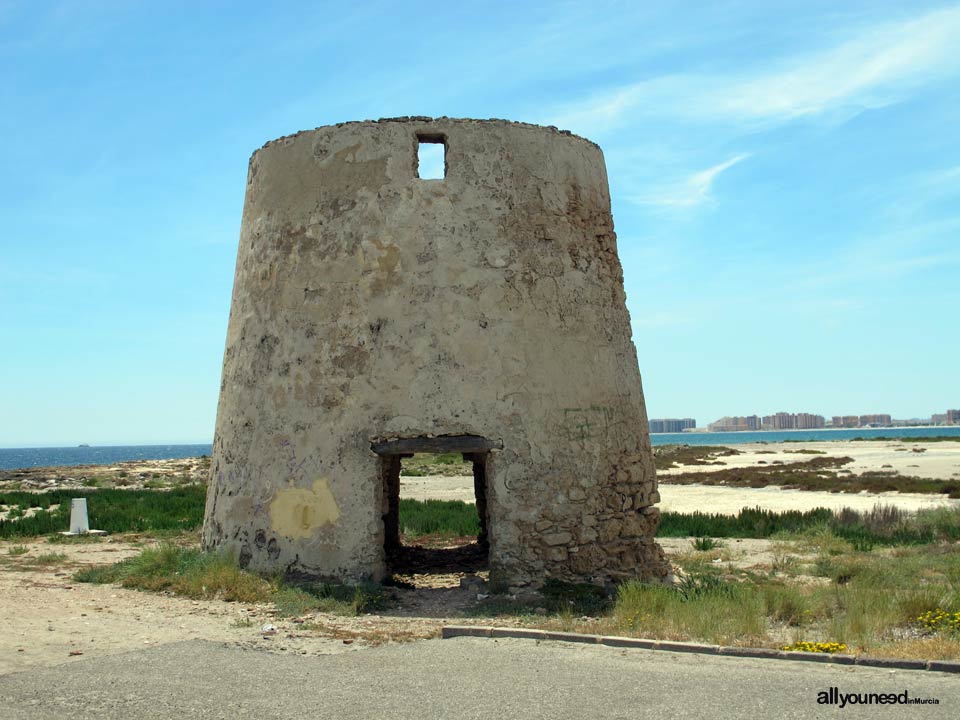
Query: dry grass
point(371, 635)
point(925, 648)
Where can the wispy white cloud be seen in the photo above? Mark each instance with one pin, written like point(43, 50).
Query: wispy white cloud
point(605, 111)
point(937, 183)
point(691, 191)
point(855, 269)
point(879, 66)
point(949, 175)
point(907, 199)
point(872, 264)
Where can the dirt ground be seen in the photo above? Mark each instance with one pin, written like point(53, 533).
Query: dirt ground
point(49, 619)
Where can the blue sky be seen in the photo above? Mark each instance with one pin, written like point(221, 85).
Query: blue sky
point(785, 181)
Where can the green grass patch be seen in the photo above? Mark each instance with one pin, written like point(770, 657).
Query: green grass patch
point(557, 598)
point(574, 598)
point(868, 601)
point(748, 523)
point(703, 606)
point(183, 571)
point(438, 517)
point(883, 525)
point(195, 574)
point(168, 513)
point(111, 510)
point(301, 597)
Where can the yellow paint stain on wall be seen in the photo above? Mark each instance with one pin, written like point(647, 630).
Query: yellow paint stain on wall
point(298, 512)
point(382, 256)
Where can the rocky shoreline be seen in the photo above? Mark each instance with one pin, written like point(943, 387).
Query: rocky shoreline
point(131, 475)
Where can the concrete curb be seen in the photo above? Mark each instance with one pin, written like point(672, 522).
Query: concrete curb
point(453, 631)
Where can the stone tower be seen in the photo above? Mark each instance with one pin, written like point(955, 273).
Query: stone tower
point(376, 314)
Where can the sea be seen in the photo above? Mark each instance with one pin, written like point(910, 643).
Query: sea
point(13, 458)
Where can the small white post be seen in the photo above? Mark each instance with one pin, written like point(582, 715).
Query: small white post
point(79, 522)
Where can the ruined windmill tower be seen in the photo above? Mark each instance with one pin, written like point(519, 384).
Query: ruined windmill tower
point(376, 314)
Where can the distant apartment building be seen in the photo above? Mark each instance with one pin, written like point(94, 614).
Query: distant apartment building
point(846, 421)
point(875, 421)
point(778, 421)
point(938, 419)
point(808, 421)
point(671, 425)
point(735, 424)
point(793, 421)
point(953, 417)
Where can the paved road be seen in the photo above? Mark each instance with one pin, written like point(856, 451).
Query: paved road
point(463, 678)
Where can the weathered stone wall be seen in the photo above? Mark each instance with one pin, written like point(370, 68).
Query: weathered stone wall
point(369, 304)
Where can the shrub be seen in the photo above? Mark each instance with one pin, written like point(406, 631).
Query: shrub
point(704, 544)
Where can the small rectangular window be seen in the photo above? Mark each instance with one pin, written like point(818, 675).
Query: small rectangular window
point(431, 157)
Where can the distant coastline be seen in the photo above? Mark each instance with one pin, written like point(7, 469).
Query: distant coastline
point(739, 437)
point(14, 458)
point(700, 431)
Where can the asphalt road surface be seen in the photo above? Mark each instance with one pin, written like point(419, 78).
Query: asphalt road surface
point(462, 678)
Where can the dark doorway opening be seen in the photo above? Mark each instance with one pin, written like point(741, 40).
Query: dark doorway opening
point(434, 536)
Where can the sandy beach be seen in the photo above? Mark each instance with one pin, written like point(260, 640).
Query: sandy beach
point(704, 498)
point(935, 460)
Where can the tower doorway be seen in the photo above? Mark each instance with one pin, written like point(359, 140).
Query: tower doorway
point(426, 483)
